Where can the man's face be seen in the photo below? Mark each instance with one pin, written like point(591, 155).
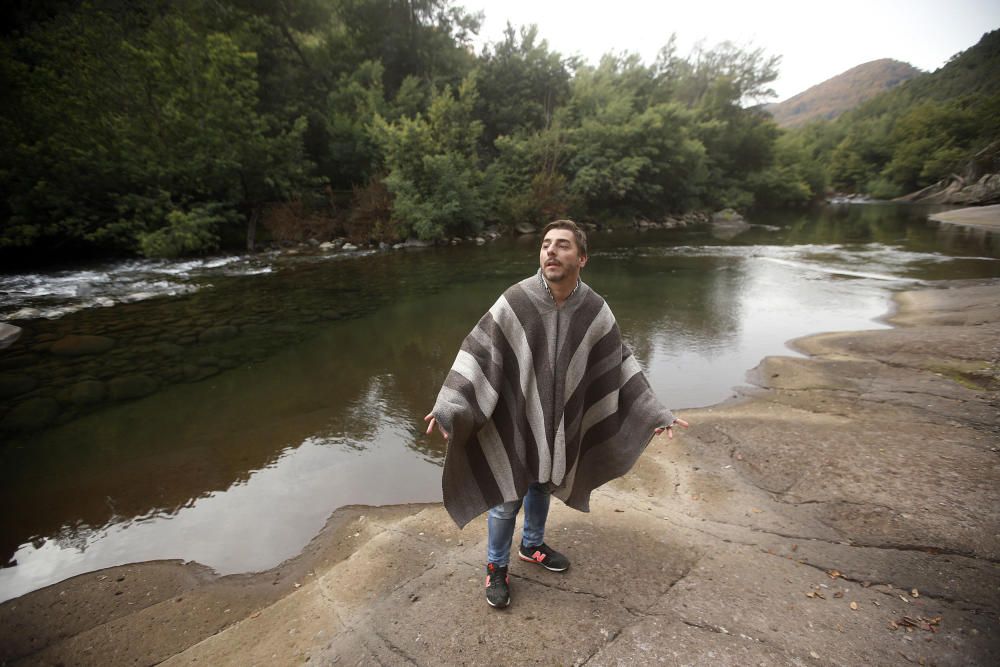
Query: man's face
point(560, 257)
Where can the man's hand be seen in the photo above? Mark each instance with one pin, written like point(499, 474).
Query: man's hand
point(668, 429)
point(431, 423)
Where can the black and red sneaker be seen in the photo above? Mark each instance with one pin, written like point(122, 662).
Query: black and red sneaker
point(545, 556)
point(497, 585)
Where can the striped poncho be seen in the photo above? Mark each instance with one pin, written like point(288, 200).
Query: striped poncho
point(542, 394)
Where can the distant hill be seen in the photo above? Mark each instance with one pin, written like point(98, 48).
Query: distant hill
point(843, 92)
point(940, 129)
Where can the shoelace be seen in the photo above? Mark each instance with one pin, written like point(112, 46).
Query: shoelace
point(496, 575)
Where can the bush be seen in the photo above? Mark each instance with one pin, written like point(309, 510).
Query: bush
point(371, 214)
point(187, 232)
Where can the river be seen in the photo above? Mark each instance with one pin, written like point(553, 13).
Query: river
point(219, 410)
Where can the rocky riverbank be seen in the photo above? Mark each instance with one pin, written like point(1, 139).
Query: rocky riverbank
point(846, 512)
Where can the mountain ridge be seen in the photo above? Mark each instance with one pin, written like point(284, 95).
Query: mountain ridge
point(843, 92)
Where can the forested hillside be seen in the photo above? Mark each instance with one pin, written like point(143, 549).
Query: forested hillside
point(827, 100)
point(168, 128)
point(916, 134)
point(163, 128)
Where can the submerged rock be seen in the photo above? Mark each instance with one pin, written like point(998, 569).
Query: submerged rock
point(12, 385)
point(78, 346)
point(166, 349)
point(9, 335)
point(88, 392)
point(33, 414)
point(132, 386)
point(215, 334)
point(195, 373)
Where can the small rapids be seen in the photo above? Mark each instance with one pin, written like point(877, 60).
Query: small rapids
point(53, 294)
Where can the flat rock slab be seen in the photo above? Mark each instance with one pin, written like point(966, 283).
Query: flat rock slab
point(987, 217)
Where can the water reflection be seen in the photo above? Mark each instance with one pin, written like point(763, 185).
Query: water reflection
point(309, 391)
point(266, 515)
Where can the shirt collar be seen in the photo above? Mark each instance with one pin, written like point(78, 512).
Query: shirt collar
point(545, 284)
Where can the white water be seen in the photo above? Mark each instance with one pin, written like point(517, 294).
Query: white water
point(53, 294)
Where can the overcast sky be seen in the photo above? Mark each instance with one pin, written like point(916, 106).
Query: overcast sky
point(815, 40)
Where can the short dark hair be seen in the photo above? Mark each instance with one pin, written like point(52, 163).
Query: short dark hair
point(578, 234)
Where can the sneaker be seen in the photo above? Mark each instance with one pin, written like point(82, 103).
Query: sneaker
point(545, 556)
point(497, 586)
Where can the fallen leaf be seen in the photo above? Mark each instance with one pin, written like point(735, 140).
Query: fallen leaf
point(854, 606)
point(920, 623)
point(915, 593)
point(756, 510)
point(834, 574)
point(903, 598)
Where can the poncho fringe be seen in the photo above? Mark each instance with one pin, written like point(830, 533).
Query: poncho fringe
point(542, 394)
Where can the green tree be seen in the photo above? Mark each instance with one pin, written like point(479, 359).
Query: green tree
point(433, 166)
point(530, 176)
point(520, 83)
point(929, 142)
point(125, 123)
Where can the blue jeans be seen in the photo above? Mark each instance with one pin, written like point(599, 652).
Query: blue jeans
point(500, 524)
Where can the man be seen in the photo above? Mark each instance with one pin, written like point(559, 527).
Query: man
point(543, 398)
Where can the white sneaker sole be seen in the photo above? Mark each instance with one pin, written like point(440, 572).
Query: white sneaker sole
point(532, 560)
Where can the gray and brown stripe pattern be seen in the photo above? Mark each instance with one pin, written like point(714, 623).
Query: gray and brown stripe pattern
point(542, 394)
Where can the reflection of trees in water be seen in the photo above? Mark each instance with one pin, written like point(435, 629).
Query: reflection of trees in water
point(299, 375)
point(973, 241)
point(144, 459)
point(894, 225)
point(889, 224)
point(671, 302)
point(411, 345)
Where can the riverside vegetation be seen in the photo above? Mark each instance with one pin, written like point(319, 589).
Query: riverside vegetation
point(173, 128)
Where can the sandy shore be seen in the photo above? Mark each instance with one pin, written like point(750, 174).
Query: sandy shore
point(983, 217)
point(846, 512)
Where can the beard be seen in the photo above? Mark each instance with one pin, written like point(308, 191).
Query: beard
point(554, 272)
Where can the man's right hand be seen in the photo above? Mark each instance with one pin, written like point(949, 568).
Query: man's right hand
point(431, 423)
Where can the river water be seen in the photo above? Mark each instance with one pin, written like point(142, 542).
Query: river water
point(219, 410)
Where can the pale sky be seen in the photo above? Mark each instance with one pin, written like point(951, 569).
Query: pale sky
point(816, 40)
